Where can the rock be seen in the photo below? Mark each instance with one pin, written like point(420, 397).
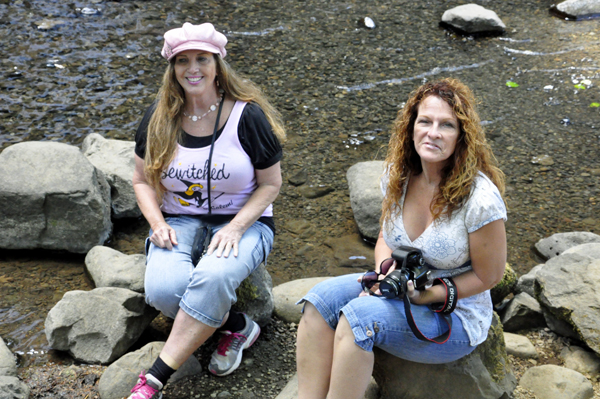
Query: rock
point(473, 18)
point(312, 192)
point(521, 313)
point(299, 178)
point(526, 282)
point(255, 296)
point(8, 361)
point(290, 391)
point(566, 289)
point(287, 294)
point(98, 326)
point(505, 286)
point(591, 250)
point(52, 197)
point(352, 251)
point(557, 243)
point(300, 227)
point(520, 346)
point(13, 388)
point(580, 360)
point(579, 9)
point(115, 159)
point(554, 382)
point(122, 375)
point(366, 196)
point(110, 268)
point(483, 374)
point(47, 24)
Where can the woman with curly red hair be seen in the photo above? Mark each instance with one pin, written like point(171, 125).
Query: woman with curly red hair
point(442, 199)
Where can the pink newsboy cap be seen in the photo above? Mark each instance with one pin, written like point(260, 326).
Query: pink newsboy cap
point(194, 37)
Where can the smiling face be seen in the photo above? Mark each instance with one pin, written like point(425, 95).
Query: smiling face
point(436, 130)
point(195, 71)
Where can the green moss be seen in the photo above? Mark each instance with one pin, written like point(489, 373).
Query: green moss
point(505, 286)
point(246, 293)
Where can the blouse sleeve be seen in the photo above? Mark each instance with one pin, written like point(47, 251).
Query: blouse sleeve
point(257, 138)
point(485, 204)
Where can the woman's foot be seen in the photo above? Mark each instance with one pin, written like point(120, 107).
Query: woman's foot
point(147, 387)
point(228, 356)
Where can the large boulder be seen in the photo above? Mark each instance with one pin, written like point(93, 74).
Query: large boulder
point(52, 197)
point(255, 296)
point(365, 196)
point(483, 374)
point(98, 326)
point(287, 294)
point(118, 379)
point(566, 287)
point(473, 19)
point(557, 243)
point(115, 159)
point(13, 388)
point(522, 312)
point(554, 382)
point(110, 268)
point(8, 361)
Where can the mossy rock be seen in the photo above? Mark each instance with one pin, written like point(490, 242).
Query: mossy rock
point(506, 286)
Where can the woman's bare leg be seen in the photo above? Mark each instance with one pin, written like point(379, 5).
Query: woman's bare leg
point(314, 354)
point(186, 336)
point(352, 366)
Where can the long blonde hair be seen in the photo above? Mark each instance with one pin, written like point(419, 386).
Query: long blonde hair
point(471, 155)
point(164, 128)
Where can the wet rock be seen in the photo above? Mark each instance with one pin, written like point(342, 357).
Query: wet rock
point(255, 296)
point(110, 268)
point(299, 178)
point(8, 361)
point(557, 243)
point(520, 346)
point(483, 374)
point(366, 196)
point(579, 9)
point(98, 326)
point(118, 379)
point(47, 24)
point(352, 252)
point(315, 192)
point(287, 294)
point(52, 197)
point(554, 382)
point(115, 159)
point(473, 18)
point(13, 388)
point(522, 312)
point(366, 22)
point(580, 360)
point(566, 289)
point(545, 160)
point(301, 228)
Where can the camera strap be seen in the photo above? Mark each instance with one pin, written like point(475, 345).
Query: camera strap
point(444, 309)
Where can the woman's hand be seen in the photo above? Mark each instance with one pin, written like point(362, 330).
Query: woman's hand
point(225, 240)
point(163, 235)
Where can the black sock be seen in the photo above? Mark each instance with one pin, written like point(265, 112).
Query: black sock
point(161, 371)
point(235, 322)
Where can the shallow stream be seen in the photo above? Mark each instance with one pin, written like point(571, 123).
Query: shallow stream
point(70, 68)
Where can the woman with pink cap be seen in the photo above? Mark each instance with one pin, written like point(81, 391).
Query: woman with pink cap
point(207, 170)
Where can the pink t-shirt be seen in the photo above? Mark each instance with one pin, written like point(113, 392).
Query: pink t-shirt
point(233, 180)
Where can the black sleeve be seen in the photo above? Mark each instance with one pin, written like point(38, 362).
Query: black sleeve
point(257, 138)
point(141, 135)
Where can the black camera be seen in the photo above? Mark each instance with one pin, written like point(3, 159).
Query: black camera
point(409, 266)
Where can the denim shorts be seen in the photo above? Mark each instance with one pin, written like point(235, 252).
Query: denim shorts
point(381, 322)
point(207, 291)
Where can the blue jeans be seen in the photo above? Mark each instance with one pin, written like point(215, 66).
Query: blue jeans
point(207, 291)
point(381, 322)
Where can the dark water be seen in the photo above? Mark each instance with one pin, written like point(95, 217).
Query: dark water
point(70, 68)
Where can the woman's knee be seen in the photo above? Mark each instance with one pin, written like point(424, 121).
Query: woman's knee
point(313, 320)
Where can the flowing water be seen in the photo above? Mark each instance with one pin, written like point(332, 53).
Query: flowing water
point(70, 68)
